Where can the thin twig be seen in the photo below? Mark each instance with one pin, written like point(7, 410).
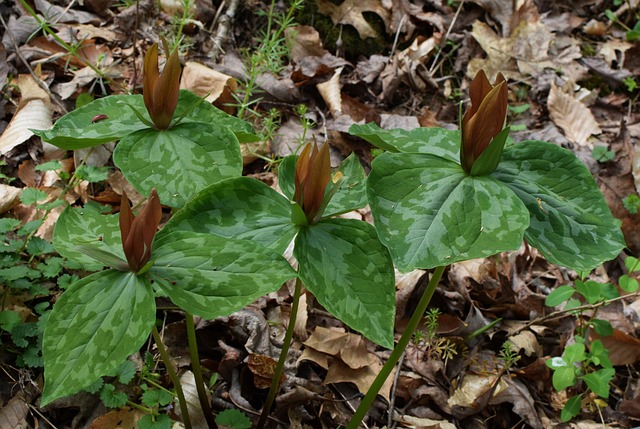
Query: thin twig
point(224, 26)
point(392, 400)
point(446, 36)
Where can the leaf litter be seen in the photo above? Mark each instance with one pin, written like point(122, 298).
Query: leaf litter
point(571, 70)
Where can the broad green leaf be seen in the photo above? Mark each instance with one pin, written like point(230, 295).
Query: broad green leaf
point(76, 130)
point(571, 408)
point(599, 380)
point(628, 284)
point(574, 353)
point(602, 327)
point(89, 238)
point(93, 327)
point(429, 213)
point(351, 274)
point(233, 418)
point(434, 141)
point(590, 290)
point(632, 264)
point(571, 223)
point(598, 353)
point(180, 161)
point(563, 377)
point(351, 195)
point(242, 208)
point(560, 295)
point(213, 276)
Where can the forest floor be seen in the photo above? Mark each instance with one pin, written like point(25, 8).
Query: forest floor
point(479, 360)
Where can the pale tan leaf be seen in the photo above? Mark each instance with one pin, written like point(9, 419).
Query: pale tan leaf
point(635, 169)
point(13, 414)
point(34, 112)
point(473, 386)
point(573, 117)
point(423, 423)
point(527, 342)
point(330, 92)
point(126, 418)
point(188, 382)
point(303, 41)
point(350, 12)
point(205, 81)
point(8, 197)
point(363, 377)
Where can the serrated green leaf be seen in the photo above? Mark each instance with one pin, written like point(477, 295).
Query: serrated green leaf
point(8, 224)
point(66, 280)
point(571, 408)
point(49, 166)
point(599, 380)
point(560, 295)
point(30, 196)
point(29, 227)
point(434, 141)
point(351, 274)
point(213, 276)
point(79, 231)
point(76, 130)
point(93, 327)
point(51, 267)
point(563, 377)
point(22, 332)
point(18, 272)
point(234, 419)
point(155, 397)
point(31, 357)
point(242, 208)
point(9, 320)
point(159, 421)
point(126, 372)
point(571, 223)
point(92, 174)
point(429, 213)
point(180, 161)
point(37, 246)
point(112, 399)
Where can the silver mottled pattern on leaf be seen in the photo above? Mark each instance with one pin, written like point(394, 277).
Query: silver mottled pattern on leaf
point(97, 322)
point(429, 213)
point(180, 161)
point(435, 141)
point(213, 276)
point(350, 272)
point(77, 228)
point(571, 223)
point(76, 130)
point(242, 208)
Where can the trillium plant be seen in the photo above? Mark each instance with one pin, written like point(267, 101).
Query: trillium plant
point(436, 196)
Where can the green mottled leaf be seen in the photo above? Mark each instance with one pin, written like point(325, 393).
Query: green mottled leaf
point(93, 327)
point(76, 130)
point(351, 195)
point(84, 235)
point(241, 208)
point(180, 161)
point(434, 141)
point(571, 223)
point(351, 274)
point(560, 295)
point(213, 276)
point(429, 213)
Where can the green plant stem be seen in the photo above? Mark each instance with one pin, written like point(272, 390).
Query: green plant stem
point(145, 410)
point(197, 372)
point(275, 383)
point(368, 399)
point(174, 377)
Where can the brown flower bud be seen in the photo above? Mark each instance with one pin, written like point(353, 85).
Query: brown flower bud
point(313, 173)
point(160, 91)
point(138, 231)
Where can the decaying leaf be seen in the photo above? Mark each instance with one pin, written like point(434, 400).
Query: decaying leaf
point(350, 12)
point(263, 368)
point(34, 112)
point(207, 82)
point(527, 342)
point(623, 348)
point(125, 418)
point(188, 382)
point(330, 92)
point(346, 357)
point(8, 197)
point(423, 423)
point(635, 169)
point(13, 414)
point(575, 119)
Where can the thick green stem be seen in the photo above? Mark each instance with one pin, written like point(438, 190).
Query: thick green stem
point(368, 399)
point(174, 377)
point(275, 383)
point(197, 372)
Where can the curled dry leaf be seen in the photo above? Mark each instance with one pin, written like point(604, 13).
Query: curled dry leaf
point(13, 414)
point(263, 369)
point(330, 92)
point(635, 169)
point(623, 348)
point(8, 197)
point(423, 423)
point(351, 12)
point(304, 41)
point(34, 112)
point(126, 418)
point(205, 81)
point(188, 382)
point(575, 119)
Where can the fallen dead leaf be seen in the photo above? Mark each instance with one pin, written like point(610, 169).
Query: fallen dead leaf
point(527, 342)
point(34, 112)
point(13, 414)
point(330, 92)
point(351, 12)
point(363, 377)
point(635, 169)
point(572, 116)
point(350, 348)
point(423, 423)
point(263, 368)
point(126, 418)
point(623, 348)
point(9, 197)
point(207, 82)
point(188, 382)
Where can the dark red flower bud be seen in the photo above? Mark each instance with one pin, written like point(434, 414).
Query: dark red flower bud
point(138, 231)
point(313, 173)
point(161, 92)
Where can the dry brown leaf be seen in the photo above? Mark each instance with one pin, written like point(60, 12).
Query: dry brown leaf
point(473, 387)
point(13, 414)
point(527, 342)
point(351, 12)
point(363, 377)
point(350, 348)
point(126, 418)
point(205, 81)
point(34, 112)
point(623, 348)
point(572, 116)
point(188, 382)
point(263, 368)
point(635, 168)
point(330, 92)
point(303, 41)
point(423, 423)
